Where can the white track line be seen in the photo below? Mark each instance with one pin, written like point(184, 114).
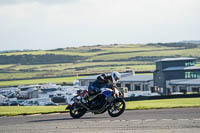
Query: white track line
point(150, 120)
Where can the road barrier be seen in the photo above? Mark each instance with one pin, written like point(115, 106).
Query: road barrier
point(161, 97)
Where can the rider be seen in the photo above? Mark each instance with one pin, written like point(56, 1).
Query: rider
point(104, 81)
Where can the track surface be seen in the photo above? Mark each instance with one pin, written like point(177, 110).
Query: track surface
point(180, 120)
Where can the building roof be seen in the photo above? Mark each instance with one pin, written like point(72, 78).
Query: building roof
point(181, 68)
point(139, 78)
point(175, 59)
point(129, 77)
point(29, 86)
point(185, 82)
point(93, 77)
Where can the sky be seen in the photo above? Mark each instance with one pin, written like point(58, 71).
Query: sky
point(50, 24)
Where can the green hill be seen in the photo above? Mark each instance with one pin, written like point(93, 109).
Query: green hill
point(70, 62)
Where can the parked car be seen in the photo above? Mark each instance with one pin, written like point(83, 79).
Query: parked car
point(20, 101)
point(4, 104)
point(30, 103)
point(13, 103)
point(51, 104)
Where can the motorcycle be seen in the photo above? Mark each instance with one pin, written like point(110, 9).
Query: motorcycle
point(110, 100)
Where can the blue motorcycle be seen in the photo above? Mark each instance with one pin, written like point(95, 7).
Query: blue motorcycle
point(110, 100)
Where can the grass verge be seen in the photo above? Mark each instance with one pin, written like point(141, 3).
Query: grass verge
point(133, 105)
point(30, 110)
point(164, 103)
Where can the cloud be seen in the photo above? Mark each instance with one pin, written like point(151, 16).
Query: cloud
point(45, 24)
point(11, 2)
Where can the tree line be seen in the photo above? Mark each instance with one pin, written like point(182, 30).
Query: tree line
point(176, 44)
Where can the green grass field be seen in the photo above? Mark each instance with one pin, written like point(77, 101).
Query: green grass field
point(170, 52)
point(97, 59)
point(83, 51)
point(63, 66)
point(56, 70)
point(133, 105)
point(69, 80)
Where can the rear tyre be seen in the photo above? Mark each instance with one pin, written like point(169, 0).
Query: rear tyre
point(117, 108)
point(77, 111)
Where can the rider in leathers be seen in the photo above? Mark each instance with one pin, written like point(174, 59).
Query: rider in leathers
point(104, 81)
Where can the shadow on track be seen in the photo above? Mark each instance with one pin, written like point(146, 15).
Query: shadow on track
point(67, 119)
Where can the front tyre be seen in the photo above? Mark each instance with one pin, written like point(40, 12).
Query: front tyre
point(76, 111)
point(117, 108)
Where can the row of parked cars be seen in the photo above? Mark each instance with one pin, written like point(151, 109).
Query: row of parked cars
point(27, 103)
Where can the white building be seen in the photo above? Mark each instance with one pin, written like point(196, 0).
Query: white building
point(136, 84)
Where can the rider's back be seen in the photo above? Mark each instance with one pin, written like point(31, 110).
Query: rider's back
point(99, 83)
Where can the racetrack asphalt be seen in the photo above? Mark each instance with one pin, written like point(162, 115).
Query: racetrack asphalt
point(178, 120)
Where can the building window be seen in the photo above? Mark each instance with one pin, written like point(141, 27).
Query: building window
point(183, 89)
point(187, 75)
point(137, 87)
point(198, 75)
point(174, 89)
point(119, 85)
point(190, 63)
point(196, 90)
point(153, 89)
point(146, 88)
point(129, 87)
point(192, 75)
point(143, 87)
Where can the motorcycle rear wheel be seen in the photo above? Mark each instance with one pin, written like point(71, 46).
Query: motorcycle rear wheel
point(76, 112)
point(117, 108)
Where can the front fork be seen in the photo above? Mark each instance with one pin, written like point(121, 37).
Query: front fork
point(113, 104)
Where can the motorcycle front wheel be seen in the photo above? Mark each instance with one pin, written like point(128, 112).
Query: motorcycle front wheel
point(118, 107)
point(77, 111)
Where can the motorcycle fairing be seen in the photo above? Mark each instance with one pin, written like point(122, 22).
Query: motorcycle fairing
point(107, 93)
